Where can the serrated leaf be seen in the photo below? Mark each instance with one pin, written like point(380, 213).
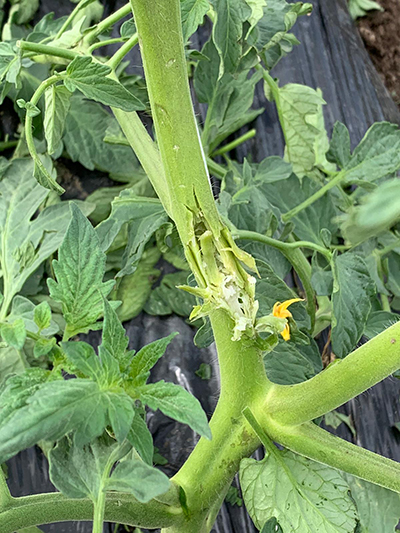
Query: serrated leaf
point(175, 402)
point(192, 14)
point(148, 356)
point(114, 338)
point(304, 496)
point(120, 414)
point(10, 363)
point(138, 478)
point(83, 359)
point(44, 177)
point(57, 102)
point(378, 321)
point(54, 410)
point(79, 271)
point(91, 79)
point(167, 298)
point(352, 289)
point(140, 438)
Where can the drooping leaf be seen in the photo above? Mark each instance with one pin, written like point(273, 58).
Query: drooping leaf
point(304, 496)
point(144, 216)
point(138, 478)
point(175, 402)
point(352, 289)
point(89, 77)
point(57, 99)
point(27, 242)
point(79, 271)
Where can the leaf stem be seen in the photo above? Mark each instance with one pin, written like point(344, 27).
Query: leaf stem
point(47, 50)
point(6, 145)
point(107, 23)
point(387, 249)
point(314, 197)
point(119, 55)
point(234, 144)
point(216, 169)
point(70, 18)
point(106, 42)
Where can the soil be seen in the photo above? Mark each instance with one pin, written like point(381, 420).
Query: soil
point(381, 34)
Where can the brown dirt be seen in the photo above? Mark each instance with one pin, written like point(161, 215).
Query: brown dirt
point(381, 34)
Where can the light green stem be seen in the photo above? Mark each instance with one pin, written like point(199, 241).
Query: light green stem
point(234, 144)
point(217, 170)
point(106, 42)
point(116, 59)
point(46, 50)
point(107, 23)
point(70, 18)
point(387, 249)
point(314, 197)
point(6, 145)
point(338, 383)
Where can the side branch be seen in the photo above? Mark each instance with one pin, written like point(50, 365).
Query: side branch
point(339, 383)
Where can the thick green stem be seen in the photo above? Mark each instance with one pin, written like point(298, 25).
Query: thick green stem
point(234, 144)
point(340, 382)
point(44, 49)
point(41, 509)
point(210, 468)
point(161, 42)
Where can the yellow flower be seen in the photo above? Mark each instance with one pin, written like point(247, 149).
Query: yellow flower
point(280, 310)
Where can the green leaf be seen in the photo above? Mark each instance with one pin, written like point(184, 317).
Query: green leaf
point(23, 308)
point(76, 471)
point(140, 479)
point(31, 109)
point(192, 13)
point(144, 215)
point(128, 29)
point(46, 178)
point(10, 64)
point(288, 364)
point(134, 290)
point(148, 356)
point(121, 414)
point(85, 128)
point(377, 155)
point(42, 315)
point(229, 98)
point(91, 79)
point(57, 101)
point(54, 410)
point(114, 338)
point(300, 115)
point(175, 402)
point(359, 8)
point(140, 438)
point(79, 271)
point(304, 496)
point(14, 334)
point(378, 212)
point(257, 11)
point(335, 418)
point(378, 508)
point(352, 289)
point(227, 31)
point(378, 321)
point(43, 346)
point(10, 363)
point(167, 298)
point(28, 241)
point(339, 147)
point(83, 359)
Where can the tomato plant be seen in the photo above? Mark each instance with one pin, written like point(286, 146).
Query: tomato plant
point(325, 211)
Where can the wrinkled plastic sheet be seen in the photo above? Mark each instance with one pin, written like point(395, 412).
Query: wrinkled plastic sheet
point(332, 57)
